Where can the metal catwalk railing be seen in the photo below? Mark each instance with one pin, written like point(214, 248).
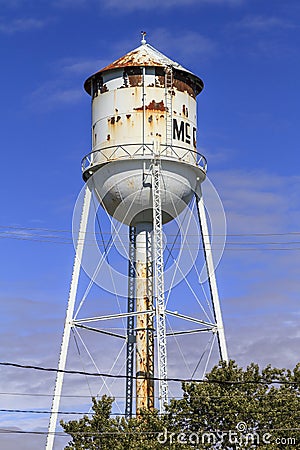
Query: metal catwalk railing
point(139, 151)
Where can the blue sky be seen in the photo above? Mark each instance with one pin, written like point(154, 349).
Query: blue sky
point(247, 53)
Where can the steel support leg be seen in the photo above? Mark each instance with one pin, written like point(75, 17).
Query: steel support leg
point(159, 286)
point(68, 321)
point(130, 325)
point(211, 276)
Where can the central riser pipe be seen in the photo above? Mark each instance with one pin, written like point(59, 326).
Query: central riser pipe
point(144, 323)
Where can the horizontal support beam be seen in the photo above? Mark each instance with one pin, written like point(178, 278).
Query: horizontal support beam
point(110, 317)
point(109, 333)
point(199, 330)
point(189, 318)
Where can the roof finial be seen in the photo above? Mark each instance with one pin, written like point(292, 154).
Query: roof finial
point(143, 41)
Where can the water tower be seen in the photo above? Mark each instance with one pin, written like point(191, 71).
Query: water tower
point(144, 169)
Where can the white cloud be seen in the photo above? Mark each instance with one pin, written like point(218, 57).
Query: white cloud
point(131, 5)
point(13, 3)
point(10, 440)
point(145, 5)
point(259, 286)
point(71, 3)
point(21, 25)
point(266, 36)
point(218, 156)
point(270, 341)
point(126, 6)
point(256, 201)
point(264, 23)
point(64, 87)
point(189, 44)
point(79, 66)
point(52, 94)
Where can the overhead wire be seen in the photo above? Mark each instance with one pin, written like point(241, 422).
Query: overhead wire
point(115, 433)
point(229, 246)
point(37, 411)
point(47, 411)
point(54, 230)
point(46, 237)
point(175, 379)
point(77, 396)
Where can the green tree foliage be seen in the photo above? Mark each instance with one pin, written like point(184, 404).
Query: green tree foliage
point(233, 409)
point(104, 432)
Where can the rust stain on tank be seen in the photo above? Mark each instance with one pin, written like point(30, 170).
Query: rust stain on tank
point(128, 116)
point(180, 85)
point(185, 111)
point(114, 119)
point(153, 106)
point(108, 137)
point(130, 183)
point(160, 80)
point(103, 89)
point(135, 80)
point(184, 87)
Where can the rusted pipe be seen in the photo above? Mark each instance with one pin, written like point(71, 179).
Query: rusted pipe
point(144, 323)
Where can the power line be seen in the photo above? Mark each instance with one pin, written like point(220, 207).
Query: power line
point(53, 240)
point(119, 433)
point(52, 230)
point(27, 394)
point(42, 433)
point(180, 380)
point(250, 413)
point(61, 236)
point(56, 230)
point(36, 411)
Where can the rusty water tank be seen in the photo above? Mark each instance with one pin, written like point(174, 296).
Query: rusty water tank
point(143, 106)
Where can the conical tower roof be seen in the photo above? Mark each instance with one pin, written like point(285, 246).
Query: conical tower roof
point(146, 56)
